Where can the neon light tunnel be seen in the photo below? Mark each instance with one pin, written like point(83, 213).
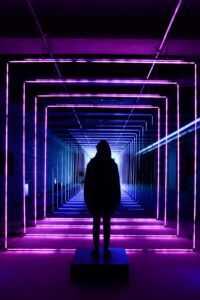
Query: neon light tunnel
point(52, 126)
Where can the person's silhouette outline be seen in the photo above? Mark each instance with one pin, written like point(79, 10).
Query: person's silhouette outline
point(102, 193)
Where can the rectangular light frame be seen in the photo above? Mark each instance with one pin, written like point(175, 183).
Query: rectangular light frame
point(134, 61)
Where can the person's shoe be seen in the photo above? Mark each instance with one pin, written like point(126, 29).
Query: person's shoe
point(95, 253)
point(107, 253)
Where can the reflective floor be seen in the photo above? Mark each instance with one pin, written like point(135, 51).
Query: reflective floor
point(70, 227)
point(37, 266)
point(152, 276)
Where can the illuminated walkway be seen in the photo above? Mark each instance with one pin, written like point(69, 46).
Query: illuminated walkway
point(76, 207)
point(37, 265)
point(71, 233)
point(70, 227)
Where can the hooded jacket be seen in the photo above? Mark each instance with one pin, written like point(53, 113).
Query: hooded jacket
point(102, 186)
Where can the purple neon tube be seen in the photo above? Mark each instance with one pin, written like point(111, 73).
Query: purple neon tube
point(45, 162)
point(166, 166)
point(78, 105)
point(158, 170)
point(65, 105)
point(103, 60)
point(35, 163)
point(195, 158)
point(24, 158)
point(165, 82)
point(118, 61)
point(6, 160)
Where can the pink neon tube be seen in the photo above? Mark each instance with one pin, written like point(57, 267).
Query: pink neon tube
point(178, 164)
point(45, 163)
point(6, 159)
point(134, 171)
point(158, 170)
point(99, 106)
point(166, 158)
point(105, 80)
point(68, 162)
point(103, 60)
point(24, 158)
point(57, 184)
point(62, 177)
point(166, 147)
point(138, 61)
point(89, 95)
point(65, 172)
point(166, 166)
point(195, 157)
point(85, 106)
point(35, 163)
point(52, 182)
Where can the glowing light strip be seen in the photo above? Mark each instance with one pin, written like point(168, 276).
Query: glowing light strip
point(89, 236)
point(195, 157)
point(138, 127)
point(35, 162)
point(103, 81)
point(113, 236)
point(98, 95)
point(166, 166)
point(115, 130)
point(39, 250)
point(153, 226)
point(103, 60)
point(99, 106)
point(68, 162)
point(71, 251)
point(161, 251)
point(57, 202)
point(63, 60)
point(118, 96)
point(126, 139)
point(117, 220)
point(99, 81)
point(6, 160)
point(92, 105)
point(65, 176)
point(168, 28)
point(174, 134)
point(45, 162)
point(135, 175)
point(62, 178)
point(52, 186)
point(158, 171)
point(135, 61)
point(24, 158)
point(156, 96)
point(178, 163)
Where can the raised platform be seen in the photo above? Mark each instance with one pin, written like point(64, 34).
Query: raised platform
point(85, 267)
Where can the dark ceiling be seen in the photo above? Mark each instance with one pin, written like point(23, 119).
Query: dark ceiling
point(103, 18)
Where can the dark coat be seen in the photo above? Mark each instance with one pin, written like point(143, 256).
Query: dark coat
point(102, 186)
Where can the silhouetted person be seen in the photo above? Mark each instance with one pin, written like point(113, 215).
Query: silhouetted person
point(102, 193)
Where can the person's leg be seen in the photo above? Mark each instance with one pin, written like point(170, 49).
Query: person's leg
point(96, 231)
point(106, 231)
